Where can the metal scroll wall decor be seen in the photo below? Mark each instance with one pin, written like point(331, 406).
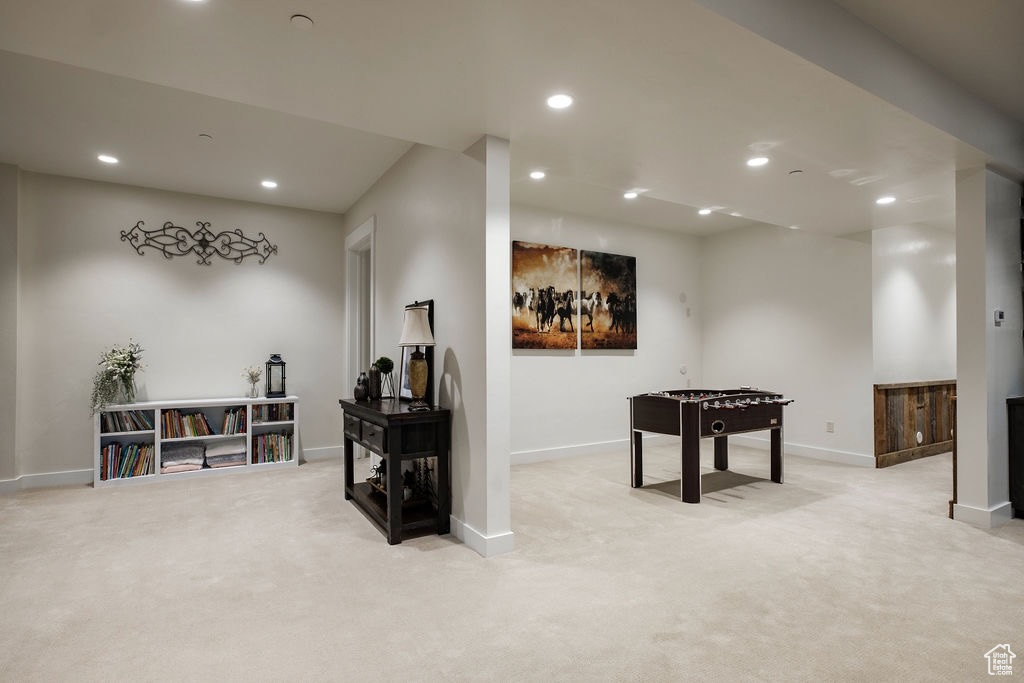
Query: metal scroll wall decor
point(174, 240)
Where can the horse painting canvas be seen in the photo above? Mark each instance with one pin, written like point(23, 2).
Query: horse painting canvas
point(544, 296)
point(607, 303)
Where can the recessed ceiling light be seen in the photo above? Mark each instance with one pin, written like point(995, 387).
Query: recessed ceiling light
point(559, 101)
point(269, 184)
point(538, 175)
point(632, 194)
point(107, 159)
point(888, 199)
point(794, 227)
point(704, 212)
point(301, 21)
point(754, 162)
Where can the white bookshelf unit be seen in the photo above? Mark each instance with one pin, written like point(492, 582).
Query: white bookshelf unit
point(153, 440)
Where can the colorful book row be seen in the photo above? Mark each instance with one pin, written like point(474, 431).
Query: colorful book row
point(131, 460)
point(272, 412)
point(177, 424)
point(126, 421)
point(234, 420)
point(271, 448)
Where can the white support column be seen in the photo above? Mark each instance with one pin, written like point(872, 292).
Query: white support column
point(499, 339)
point(490, 533)
point(990, 357)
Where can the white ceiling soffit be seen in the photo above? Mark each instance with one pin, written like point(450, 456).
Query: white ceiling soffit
point(58, 118)
point(670, 97)
point(978, 44)
point(904, 69)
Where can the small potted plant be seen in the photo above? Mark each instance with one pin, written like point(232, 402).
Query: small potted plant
point(384, 367)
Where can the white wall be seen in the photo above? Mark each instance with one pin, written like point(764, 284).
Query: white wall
point(791, 312)
point(430, 210)
point(562, 400)
point(83, 290)
point(8, 316)
point(914, 304)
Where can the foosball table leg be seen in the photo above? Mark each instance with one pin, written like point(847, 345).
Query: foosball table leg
point(721, 453)
point(637, 459)
point(689, 432)
point(776, 445)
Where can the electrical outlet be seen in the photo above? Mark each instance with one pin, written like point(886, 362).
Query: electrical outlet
point(830, 427)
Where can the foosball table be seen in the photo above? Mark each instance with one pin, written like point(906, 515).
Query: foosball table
point(695, 414)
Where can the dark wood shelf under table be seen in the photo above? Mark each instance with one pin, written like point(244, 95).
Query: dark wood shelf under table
point(397, 434)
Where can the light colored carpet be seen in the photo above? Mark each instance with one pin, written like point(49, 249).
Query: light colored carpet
point(841, 573)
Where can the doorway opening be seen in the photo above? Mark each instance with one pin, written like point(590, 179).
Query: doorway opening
point(359, 285)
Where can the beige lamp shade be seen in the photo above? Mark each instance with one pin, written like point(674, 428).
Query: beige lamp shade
point(416, 328)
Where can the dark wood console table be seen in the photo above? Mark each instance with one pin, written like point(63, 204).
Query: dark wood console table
point(389, 429)
point(694, 414)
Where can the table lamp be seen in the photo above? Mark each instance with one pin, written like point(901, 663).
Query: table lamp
point(416, 332)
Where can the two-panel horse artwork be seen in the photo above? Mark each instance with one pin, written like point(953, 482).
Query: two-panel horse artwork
point(565, 298)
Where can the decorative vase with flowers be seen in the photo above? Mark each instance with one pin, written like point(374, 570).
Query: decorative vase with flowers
point(252, 374)
point(114, 382)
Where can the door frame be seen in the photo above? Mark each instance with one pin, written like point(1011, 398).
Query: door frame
point(359, 302)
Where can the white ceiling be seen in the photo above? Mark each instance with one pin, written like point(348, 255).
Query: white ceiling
point(670, 97)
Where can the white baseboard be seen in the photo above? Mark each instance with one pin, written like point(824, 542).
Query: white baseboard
point(621, 445)
point(40, 481)
point(984, 518)
point(78, 477)
point(322, 453)
point(814, 452)
point(486, 546)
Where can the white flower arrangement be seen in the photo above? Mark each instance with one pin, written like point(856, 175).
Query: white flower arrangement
point(252, 374)
point(116, 374)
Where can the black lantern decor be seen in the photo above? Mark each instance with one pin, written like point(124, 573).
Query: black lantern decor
point(275, 376)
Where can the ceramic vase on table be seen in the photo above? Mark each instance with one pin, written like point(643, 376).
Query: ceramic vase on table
point(375, 383)
point(362, 390)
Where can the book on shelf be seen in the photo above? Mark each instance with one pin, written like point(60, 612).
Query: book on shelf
point(272, 412)
point(126, 421)
point(234, 420)
point(119, 461)
point(177, 424)
point(271, 448)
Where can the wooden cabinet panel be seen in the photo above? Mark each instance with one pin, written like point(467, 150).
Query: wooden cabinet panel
point(906, 410)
